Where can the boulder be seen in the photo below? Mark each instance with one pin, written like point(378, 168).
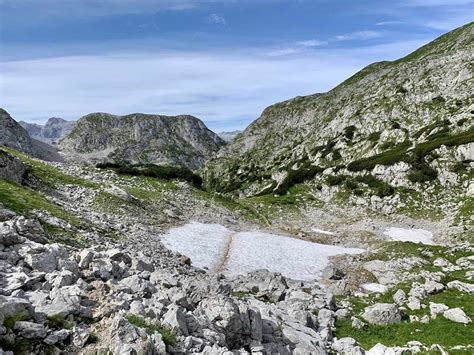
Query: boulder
point(30, 330)
point(437, 308)
point(461, 286)
point(347, 346)
point(457, 315)
point(382, 314)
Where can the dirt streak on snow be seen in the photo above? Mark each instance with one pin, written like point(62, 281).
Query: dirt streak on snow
point(216, 247)
point(409, 235)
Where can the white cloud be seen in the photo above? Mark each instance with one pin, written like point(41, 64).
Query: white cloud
point(226, 89)
point(357, 35)
point(215, 18)
point(312, 43)
point(389, 23)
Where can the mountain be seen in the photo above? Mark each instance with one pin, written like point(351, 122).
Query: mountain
point(140, 138)
point(54, 129)
point(15, 136)
point(229, 136)
point(394, 124)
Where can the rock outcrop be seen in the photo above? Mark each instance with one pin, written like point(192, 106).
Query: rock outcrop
point(139, 138)
point(52, 132)
point(14, 136)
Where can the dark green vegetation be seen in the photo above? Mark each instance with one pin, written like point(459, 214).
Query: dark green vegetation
point(150, 327)
point(380, 187)
point(416, 155)
point(155, 171)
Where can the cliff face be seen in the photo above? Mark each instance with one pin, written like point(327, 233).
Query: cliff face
point(14, 136)
point(414, 115)
point(54, 129)
point(139, 138)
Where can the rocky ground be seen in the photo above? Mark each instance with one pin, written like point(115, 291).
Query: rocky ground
point(82, 270)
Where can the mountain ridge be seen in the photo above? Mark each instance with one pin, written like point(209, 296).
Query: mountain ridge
point(141, 138)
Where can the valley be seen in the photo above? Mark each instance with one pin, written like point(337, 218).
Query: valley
point(335, 223)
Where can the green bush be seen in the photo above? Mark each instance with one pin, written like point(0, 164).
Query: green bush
point(422, 173)
point(336, 155)
point(164, 172)
point(395, 125)
point(381, 188)
point(389, 157)
point(167, 334)
point(305, 172)
point(349, 132)
point(335, 180)
point(374, 137)
point(351, 184)
point(462, 121)
point(385, 190)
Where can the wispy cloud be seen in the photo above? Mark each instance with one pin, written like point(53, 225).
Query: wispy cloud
point(357, 35)
point(389, 23)
point(312, 43)
point(216, 19)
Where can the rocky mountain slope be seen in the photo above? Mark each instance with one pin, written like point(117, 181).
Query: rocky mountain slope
point(54, 129)
point(14, 136)
point(394, 127)
point(229, 136)
point(139, 138)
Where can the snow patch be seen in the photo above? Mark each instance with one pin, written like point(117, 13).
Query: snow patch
point(320, 231)
point(203, 243)
point(207, 245)
point(374, 288)
point(410, 235)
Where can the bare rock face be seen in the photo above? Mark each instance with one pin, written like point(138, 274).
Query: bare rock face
point(52, 132)
point(139, 138)
point(11, 168)
point(14, 136)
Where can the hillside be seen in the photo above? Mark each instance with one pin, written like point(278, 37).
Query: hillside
point(394, 127)
point(139, 138)
point(14, 136)
point(54, 129)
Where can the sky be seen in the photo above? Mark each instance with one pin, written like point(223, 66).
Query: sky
point(223, 61)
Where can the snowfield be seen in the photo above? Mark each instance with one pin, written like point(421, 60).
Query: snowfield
point(410, 235)
point(219, 249)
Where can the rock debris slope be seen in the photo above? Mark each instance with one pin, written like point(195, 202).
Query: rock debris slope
point(139, 138)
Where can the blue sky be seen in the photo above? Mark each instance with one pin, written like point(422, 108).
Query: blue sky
point(222, 61)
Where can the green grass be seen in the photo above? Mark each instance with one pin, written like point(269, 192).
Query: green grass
point(58, 321)
point(439, 331)
point(167, 335)
point(9, 322)
point(46, 173)
point(22, 199)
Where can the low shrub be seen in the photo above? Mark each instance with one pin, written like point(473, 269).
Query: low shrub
point(349, 132)
point(422, 173)
point(390, 157)
point(167, 335)
point(374, 136)
point(164, 172)
point(335, 180)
